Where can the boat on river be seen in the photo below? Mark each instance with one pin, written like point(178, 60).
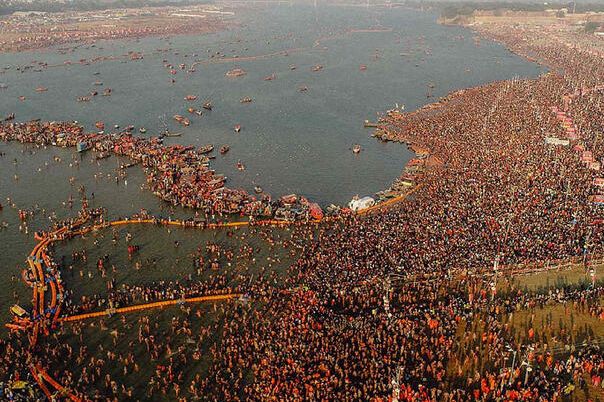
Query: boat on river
point(224, 149)
point(168, 133)
point(182, 120)
point(206, 149)
point(237, 128)
point(207, 105)
point(236, 72)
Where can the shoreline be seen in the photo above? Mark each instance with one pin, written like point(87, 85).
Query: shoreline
point(87, 27)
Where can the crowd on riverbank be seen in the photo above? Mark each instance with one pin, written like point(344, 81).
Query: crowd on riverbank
point(347, 324)
point(25, 31)
point(179, 175)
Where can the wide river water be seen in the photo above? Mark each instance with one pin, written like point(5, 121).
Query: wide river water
point(291, 141)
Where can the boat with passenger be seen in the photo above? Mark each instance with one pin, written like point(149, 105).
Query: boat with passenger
point(358, 204)
point(182, 120)
point(224, 149)
point(236, 72)
point(206, 149)
point(237, 128)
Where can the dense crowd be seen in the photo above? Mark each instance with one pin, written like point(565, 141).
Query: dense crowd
point(349, 321)
point(179, 175)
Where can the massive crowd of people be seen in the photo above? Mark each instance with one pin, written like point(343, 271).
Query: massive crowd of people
point(179, 175)
point(350, 321)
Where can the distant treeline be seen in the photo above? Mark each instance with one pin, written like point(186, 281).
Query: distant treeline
point(10, 6)
point(452, 9)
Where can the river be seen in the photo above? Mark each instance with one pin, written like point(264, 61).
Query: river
point(292, 141)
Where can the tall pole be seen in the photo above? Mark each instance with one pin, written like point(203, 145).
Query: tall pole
point(513, 364)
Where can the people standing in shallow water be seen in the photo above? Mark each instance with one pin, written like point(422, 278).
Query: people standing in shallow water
point(196, 187)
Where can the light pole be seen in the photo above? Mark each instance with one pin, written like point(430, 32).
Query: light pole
point(527, 363)
point(513, 362)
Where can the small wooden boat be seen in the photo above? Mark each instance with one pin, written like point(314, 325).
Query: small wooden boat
point(237, 128)
point(356, 149)
point(83, 99)
point(258, 189)
point(245, 99)
point(206, 149)
point(240, 166)
point(100, 125)
point(207, 105)
point(142, 130)
point(41, 89)
point(190, 97)
point(224, 149)
point(182, 120)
